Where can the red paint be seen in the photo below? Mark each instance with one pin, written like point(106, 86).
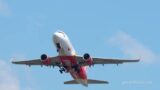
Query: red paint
point(74, 74)
point(47, 61)
point(70, 58)
point(89, 61)
point(82, 73)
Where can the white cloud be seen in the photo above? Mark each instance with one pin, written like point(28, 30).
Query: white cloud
point(133, 48)
point(7, 80)
point(30, 83)
point(4, 9)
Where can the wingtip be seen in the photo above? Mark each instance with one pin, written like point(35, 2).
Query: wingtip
point(107, 82)
point(13, 62)
point(138, 59)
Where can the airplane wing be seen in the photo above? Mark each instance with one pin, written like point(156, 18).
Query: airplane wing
point(82, 62)
point(53, 61)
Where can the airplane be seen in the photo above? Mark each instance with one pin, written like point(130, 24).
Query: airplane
point(69, 62)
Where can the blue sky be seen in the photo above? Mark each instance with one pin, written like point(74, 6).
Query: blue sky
point(103, 28)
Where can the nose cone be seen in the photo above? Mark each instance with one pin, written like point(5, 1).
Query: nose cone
point(58, 36)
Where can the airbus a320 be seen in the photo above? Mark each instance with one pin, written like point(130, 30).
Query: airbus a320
point(69, 62)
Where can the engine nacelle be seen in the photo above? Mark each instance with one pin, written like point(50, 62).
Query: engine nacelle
point(88, 59)
point(45, 59)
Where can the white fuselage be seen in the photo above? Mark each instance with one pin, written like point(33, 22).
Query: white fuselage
point(67, 53)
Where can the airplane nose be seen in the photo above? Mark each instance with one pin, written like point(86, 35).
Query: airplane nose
point(59, 36)
point(55, 35)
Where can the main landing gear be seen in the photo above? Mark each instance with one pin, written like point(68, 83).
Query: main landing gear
point(62, 70)
point(75, 67)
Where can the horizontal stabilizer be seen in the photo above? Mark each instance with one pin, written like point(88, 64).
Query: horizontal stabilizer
point(90, 81)
point(71, 82)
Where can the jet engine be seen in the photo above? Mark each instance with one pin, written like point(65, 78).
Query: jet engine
point(45, 59)
point(88, 59)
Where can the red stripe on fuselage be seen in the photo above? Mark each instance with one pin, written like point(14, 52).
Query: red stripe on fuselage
point(72, 59)
point(81, 75)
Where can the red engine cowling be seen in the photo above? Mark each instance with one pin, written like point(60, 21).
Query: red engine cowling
point(45, 59)
point(88, 59)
